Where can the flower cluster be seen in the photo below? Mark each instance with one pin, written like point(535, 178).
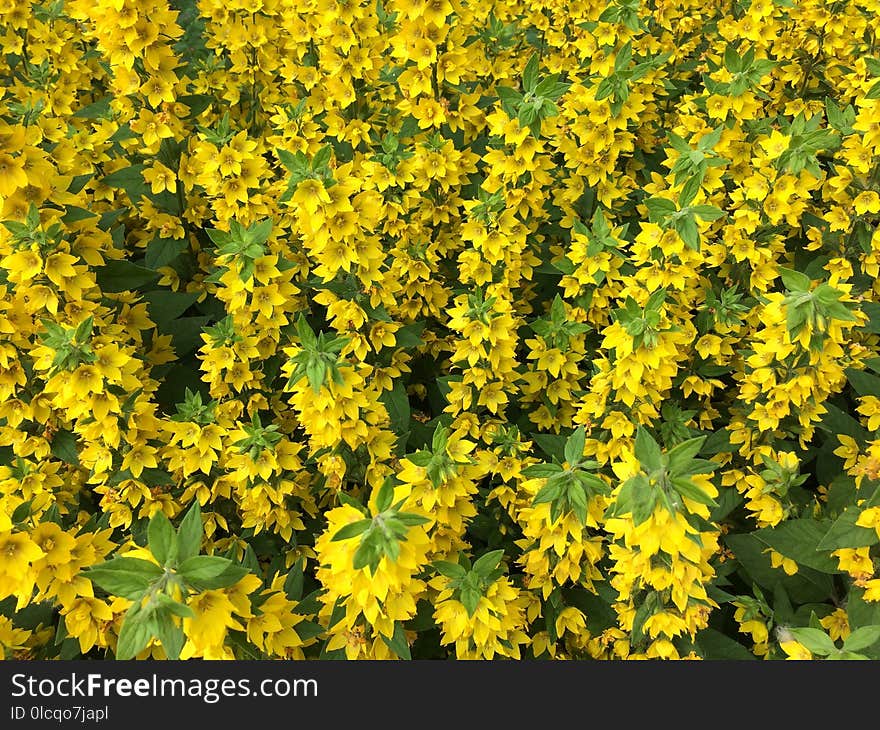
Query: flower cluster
point(439, 328)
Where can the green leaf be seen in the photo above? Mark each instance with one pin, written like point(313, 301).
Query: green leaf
point(551, 88)
point(798, 540)
point(708, 212)
point(815, 640)
point(351, 530)
point(162, 538)
point(487, 563)
point(126, 577)
point(863, 383)
point(659, 209)
point(322, 157)
point(293, 584)
point(644, 499)
point(470, 598)
point(686, 227)
point(83, 331)
point(550, 492)
point(530, 74)
point(421, 458)
point(197, 103)
point(119, 276)
point(74, 214)
point(189, 533)
point(716, 645)
point(551, 444)
point(207, 572)
point(753, 559)
point(398, 643)
point(129, 179)
point(260, 231)
point(396, 402)
point(862, 638)
point(794, 281)
point(541, 471)
point(164, 305)
point(453, 571)
point(64, 447)
point(836, 421)
point(169, 634)
point(686, 488)
point(510, 99)
point(294, 162)
point(136, 632)
point(162, 251)
point(370, 550)
point(412, 520)
point(861, 612)
point(681, 454)
point(689, 191)
point(845, 533)
point(96, 110)
point(386, 494)
point(167, 603)
point(203, 567)
point(647, 450)
point(306, 334)
point(408, 335)
point(186, 333)
point(22, 512)
point(574, 446)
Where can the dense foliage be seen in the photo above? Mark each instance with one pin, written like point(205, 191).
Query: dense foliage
point(440, 328)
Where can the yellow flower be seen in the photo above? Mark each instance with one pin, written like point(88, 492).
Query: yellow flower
point(87, 620)
point(11, 638)
point(138, 458)
point(206, 630)
point(23, 265)
point(837, 624)
point(17, 551)
point(12, 174)
point(795, 651)
point(160, 178)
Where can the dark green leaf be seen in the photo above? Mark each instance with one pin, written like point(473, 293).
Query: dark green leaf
point(164, 305)
point(845, 533)
point(798, 540)
point(396, 403)
point(162, 251)
point(64, 447)
point(129, 179)
point(117, 276)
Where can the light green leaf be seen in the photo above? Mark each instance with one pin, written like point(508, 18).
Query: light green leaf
point(189, 534)
point(862, 638)
point(162, 538)
point(816, 641)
